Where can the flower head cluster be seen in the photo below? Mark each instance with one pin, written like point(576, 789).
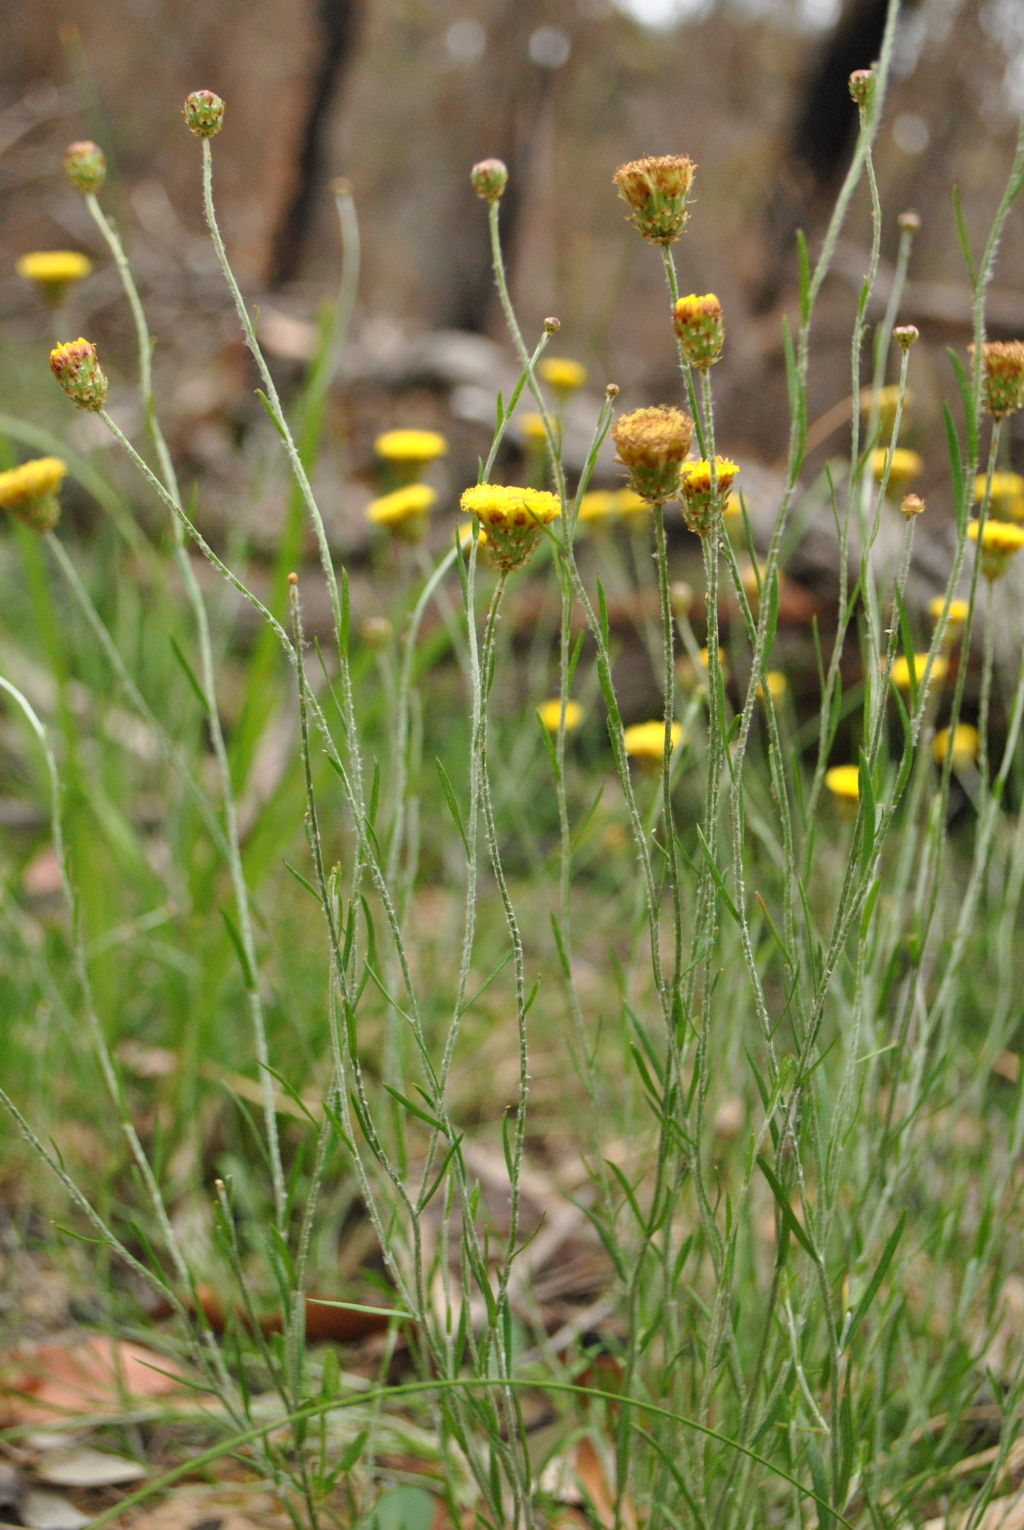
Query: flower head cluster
point(700, 329)
point(1006, 495)
point(52, 272)
point(900, 672)
point(701, 499)
point(204, 113)
point(562, 375)
point(550, 712)
point(646, 741)
point(966, 741)
point(30, 492)
point(652, 444)
point(1002, 382)
point(403, 512)
point(85, 166)
point(1000, 540)
point(903, 469)
point(76, 367)
point(513, 519)
point(602, 506)
point(655, 189)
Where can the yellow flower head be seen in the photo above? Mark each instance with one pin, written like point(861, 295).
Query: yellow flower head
point(532, 430)
point(53, 272)
point(404, 512)
point(513, 519)
point(999, 541)
point(777, 685)
point(646, 741)
point(561, 374)
point(901, 669)
point(887, 399)
point(1006, 495)
point(965, 746)
point(905, 467)
point(656, 189)
point(957, 614)
point(598, 507)
point(843, 781)
point(550, 711)
point(410, 448)
point(30, 491)
point(76, 367)
point(700, 329)
point(699, 501)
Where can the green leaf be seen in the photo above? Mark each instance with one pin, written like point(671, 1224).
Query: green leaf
point(717, 876)
point(961, 233)
point(272, 414)
point(785, 1209)
point(907, 639)
point(453, 806)
point(236, 941)
point(956, 468)
point(302, 881)
point(805, 276)
point(348, 1460)
point(970, 417)
point(603, 609)
point(877, 1278)
point(416, 1111)
point(200, 694)
point(797, 401)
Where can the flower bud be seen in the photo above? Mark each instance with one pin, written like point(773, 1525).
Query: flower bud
point(204, 113)
point(701, 498)
point(552, 326)
point(489, 178)
point(656, 189)
point(76, 367)
point(911, 505)
point(862, 83)
point(85, 166)
point(906, 335)
point(909, 221)
point(652, 444)
point(1002, 384)
point(612, 391)
point(376, 631)
point(681, 598)
point(699, 329)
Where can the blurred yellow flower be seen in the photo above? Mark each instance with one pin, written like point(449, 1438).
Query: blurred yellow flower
point(733, 508)
point(777, 685)
point(561, 374)
point(410, 448)
point(906, 466)
point(965, 746)
point(466, 536)
point(901, 669)
point(30, 491)
point(887, 399)
point(550, 711)
point(646, 741)
point(704, 657)
point(1006, 495)
point(601, 506)
point(957, 613)
point(1000, 540)
point(532, 430)
point(53, 272)
point(404, 511)
point(843, 781)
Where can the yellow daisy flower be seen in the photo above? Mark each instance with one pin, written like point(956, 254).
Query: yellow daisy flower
point(53, 272)
point(513, 518)
point(30, 491)
point(1000, 540)
point(561, 375)
point(906, 466)
point(901, 669)
point(404, 511)
point(646, 741)
point(965, 746)
point(843, 781)
point(550, 711)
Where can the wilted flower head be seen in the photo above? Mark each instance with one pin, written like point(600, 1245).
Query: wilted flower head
point(204, 113)
point(30, 492)
point(513, 518)
point(1000, 540)
point(903, 469)
point(652, 444)
point(965, 746)
point(562, 374)
point(646, 741)
point(404, 512)
point(1006, 495)
point(911, 505)
point(550, 712)
point(700, 498)
point(1002, 383)
point(656, 189)
point(76, 367)
point(52, 272)
point(700, 329)
point(489, 178)
point(85, 166)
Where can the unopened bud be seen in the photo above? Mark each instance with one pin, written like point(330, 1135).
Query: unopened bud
point(909, 221)
point(489, 178)
point(376, 632)
point(204, 113)
point(862, 83)
point(906, 335)
point(911, 505)
point(76, 367)
point(612, 391)
point(552, 326)
point(699, 329)
point(85, 166)
point(681, 597)
point(293, 578)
